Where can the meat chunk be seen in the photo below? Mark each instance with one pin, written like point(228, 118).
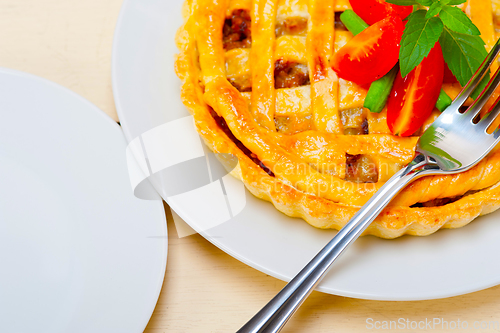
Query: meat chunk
point(236, 31)
point(288, 74)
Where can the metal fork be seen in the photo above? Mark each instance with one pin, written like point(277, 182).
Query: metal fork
point(454, 143)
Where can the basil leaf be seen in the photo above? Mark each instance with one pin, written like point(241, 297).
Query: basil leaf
point(426, 3)
point(434, 9)
point(463, 53)
point(456, 20)
point(419, 38)
point(403, 2)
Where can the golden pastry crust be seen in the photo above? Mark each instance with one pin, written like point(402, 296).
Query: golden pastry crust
point(299, 133)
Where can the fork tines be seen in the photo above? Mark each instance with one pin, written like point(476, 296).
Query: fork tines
point(473, 112)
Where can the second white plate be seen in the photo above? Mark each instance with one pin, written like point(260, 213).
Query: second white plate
point(78, 252)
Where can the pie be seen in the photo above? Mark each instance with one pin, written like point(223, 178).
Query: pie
point(256, 76)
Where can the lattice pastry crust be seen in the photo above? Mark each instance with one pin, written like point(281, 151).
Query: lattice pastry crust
point(256, 77)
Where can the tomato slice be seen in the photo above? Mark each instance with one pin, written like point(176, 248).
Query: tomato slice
point(370, 54)
point(372, 11)
point(413, 97)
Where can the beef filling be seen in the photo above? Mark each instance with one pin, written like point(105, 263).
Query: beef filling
point(236, 31)
point(289, 74)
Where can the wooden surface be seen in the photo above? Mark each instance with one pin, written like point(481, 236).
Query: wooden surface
point(205, 290)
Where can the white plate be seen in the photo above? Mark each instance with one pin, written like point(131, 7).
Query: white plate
point(448, 263)
point(78, 252)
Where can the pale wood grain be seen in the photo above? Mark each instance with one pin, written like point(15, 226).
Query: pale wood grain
point(66, 41)
point(205, 290)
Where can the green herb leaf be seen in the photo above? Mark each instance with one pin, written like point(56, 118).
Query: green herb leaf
point(463, 53)
point(403, 2)
point(419, 38)
point(444, 2)
point(434, 9)
point(425, 3)
point(456, 20)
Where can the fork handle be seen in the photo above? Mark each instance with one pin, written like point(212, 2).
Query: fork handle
point(272, 317)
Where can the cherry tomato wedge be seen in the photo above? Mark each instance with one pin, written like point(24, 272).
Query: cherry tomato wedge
point(413, 97)
point(372, 11)
point(372, 53)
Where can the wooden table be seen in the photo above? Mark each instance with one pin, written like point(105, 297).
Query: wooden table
point(205, 290)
